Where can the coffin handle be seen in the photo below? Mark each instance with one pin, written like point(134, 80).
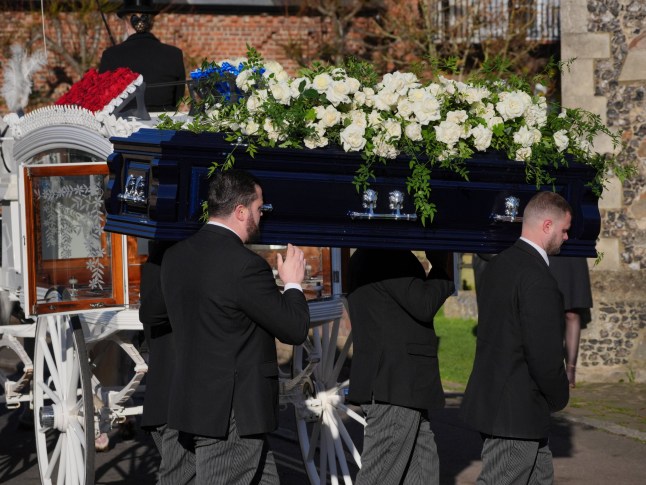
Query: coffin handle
point(395, 203)
point(511, 210)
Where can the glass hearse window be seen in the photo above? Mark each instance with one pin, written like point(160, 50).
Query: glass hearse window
point(74, 264)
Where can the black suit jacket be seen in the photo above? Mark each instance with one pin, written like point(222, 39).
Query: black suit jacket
point(518, 375)
point(226, 310)
point(143, 53)
point(394, 342)
point(158, 332)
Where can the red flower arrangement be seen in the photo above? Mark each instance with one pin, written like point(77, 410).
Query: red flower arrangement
point(95, 91)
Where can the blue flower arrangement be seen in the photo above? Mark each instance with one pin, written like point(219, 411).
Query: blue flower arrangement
point(220, 77)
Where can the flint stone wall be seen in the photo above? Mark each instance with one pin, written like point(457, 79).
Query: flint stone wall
point(608, 77)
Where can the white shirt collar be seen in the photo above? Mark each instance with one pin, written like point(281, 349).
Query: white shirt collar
point(539, 249)
point(222, 225)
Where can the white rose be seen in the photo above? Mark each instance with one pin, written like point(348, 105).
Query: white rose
point(357, 117)
point(317, 140)
point(359, 99)
point(374, 118)
point(393, 129)
point(370, 97)
point(272, 132)
point(281, 92)
point(494, 120)
point(250, 127)
point(427, 110)
point(513, 104)
point(413, 131)
point(481, 137)
point(273, 67)
point(404, 108)
point(448, 132)
point(384, 149)
point(329, 116)
point(390, 82)
point(338, 92)
point(523, 154)
point(385, 100)
point(485, 111)
point(448, 84)
point(321, 82)
point(458, 117)
point(561, 140)
point(399, 82)
point(353, 84)
point(435, 89)
point(536, 115)
point(524, 137)
point(352, 138)
point(473, 94)
point(244, 81)
point(448, 153)
point(417, 95)
point(254, 103)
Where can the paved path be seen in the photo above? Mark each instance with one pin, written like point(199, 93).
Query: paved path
point(582, 454)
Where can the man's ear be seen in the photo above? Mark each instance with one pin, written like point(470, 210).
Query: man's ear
point(547, 226)
point(241, 213)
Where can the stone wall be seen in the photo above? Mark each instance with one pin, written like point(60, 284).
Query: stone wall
point(608, 77)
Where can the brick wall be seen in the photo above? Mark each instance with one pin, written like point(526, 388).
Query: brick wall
point(200, 36)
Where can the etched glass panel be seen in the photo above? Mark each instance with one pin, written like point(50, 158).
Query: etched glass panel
point(72, 253)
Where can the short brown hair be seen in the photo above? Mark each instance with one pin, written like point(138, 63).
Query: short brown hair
point(229, 189)
point(546, 203)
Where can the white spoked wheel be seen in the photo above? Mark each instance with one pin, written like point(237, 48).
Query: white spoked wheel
point(323, 420)
point(63, 406)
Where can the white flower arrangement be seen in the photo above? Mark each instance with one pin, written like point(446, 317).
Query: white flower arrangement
point(441, 123)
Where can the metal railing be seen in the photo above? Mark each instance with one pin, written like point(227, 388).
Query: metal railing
point(475, 21)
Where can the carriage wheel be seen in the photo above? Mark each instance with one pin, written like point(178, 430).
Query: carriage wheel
point(63, 407)
point(323, 420)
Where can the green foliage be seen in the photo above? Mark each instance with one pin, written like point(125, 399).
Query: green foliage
point(441, 123)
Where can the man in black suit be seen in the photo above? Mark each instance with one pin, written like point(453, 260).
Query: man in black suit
point(395, 374)
point(518, 375)
point(226, 311)
point(143, 53)
point(177, 466)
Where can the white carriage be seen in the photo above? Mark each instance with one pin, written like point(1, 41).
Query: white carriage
point(78, 288)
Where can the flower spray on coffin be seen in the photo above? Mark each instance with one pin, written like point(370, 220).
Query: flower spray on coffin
point(441, 123)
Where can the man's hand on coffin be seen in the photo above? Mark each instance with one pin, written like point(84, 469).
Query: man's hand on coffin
point(292, 268)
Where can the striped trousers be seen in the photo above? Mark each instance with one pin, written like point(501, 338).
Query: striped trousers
point(234, 460)
point(177, 466)
point(398, 448)
point(507, 461)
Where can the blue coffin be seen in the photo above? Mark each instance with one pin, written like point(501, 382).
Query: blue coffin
point(158, 180)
